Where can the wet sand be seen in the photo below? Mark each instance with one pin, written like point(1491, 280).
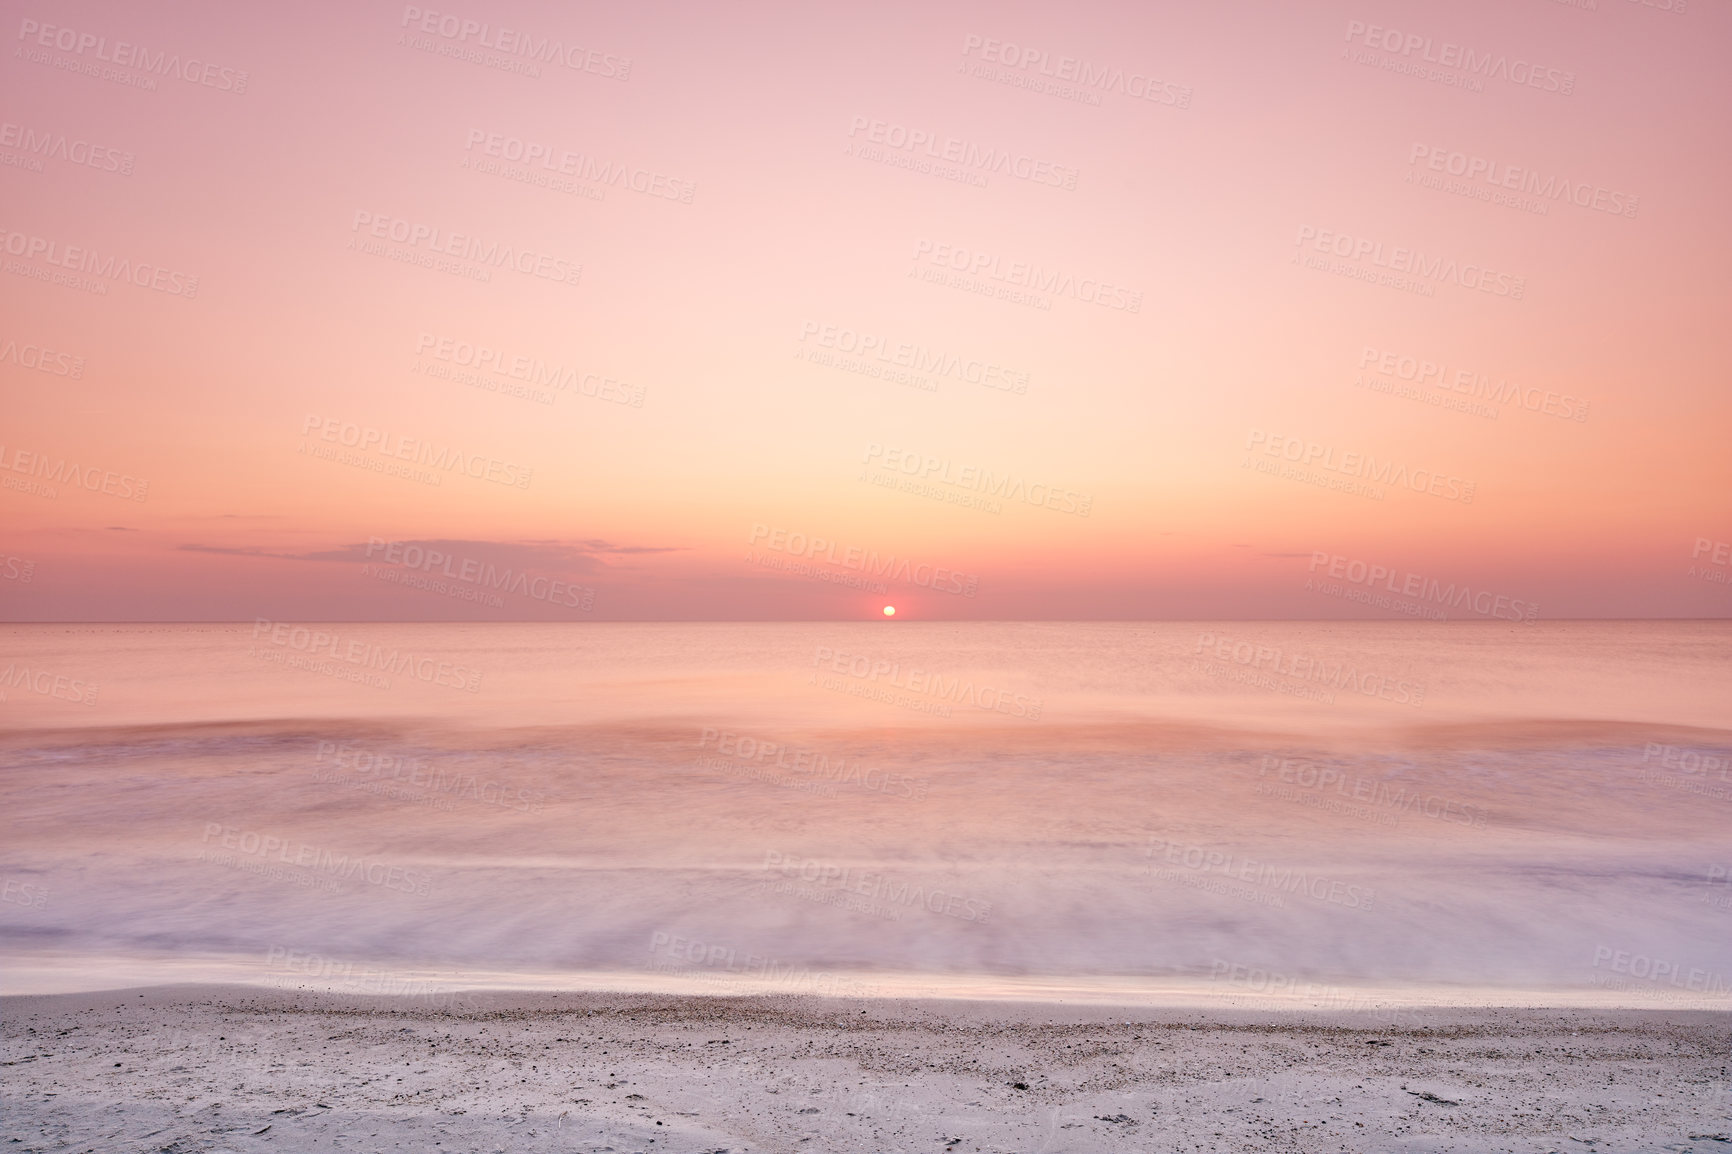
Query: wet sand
point(228, 1068)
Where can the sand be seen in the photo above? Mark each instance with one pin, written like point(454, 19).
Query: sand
point(214, 1068)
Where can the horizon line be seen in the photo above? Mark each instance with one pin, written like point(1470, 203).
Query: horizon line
point(887, 622)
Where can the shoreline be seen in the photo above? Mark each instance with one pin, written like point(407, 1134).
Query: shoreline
point(1238, 988)
point(251, 1069)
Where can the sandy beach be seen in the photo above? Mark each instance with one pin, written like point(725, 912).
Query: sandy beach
point(229, 1068)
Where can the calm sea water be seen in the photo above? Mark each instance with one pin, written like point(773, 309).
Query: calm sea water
point(1151, 810)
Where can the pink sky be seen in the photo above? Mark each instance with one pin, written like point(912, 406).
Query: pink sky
point(1192, 304)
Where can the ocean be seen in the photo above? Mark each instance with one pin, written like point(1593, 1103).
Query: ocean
point(1339, 814)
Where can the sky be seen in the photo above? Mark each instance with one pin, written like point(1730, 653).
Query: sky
point(536, 311)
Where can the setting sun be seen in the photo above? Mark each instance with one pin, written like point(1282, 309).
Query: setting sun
point(890, 611)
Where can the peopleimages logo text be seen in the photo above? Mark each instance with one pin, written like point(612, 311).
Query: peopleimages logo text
point(1484, 602)
point(443, 242)
point(340, 865)
point(162, 63)
point(958, 689)
point(892, 568)
point(908, 355)
point(90, 262)
point(515, 42)
point(379, 773)
point(1393, 797)
point(1361, 466)
point(47, 683)
point(1447, 54)
point(1499, 175)
point(320, 643)
point(808, 764)
point(418, 450)
point(578, 165)
point(1309, 667)
point(414, 555)
point(874, 886)
point(65, 471)
point(1476, 385)
point(41, 359)
point(940, 470)
point(1075, 70)
point(1286, 879)
point(969, 154)
point(531, 370)
point(1026, 275)
point(70, 149)
point(1411, 261)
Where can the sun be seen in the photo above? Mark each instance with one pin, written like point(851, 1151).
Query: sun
point(890, 611)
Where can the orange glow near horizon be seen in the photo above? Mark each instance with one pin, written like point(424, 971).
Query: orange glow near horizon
point(1117, 313)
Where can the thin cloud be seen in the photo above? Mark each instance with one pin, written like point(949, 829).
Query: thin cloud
point(585, 555)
